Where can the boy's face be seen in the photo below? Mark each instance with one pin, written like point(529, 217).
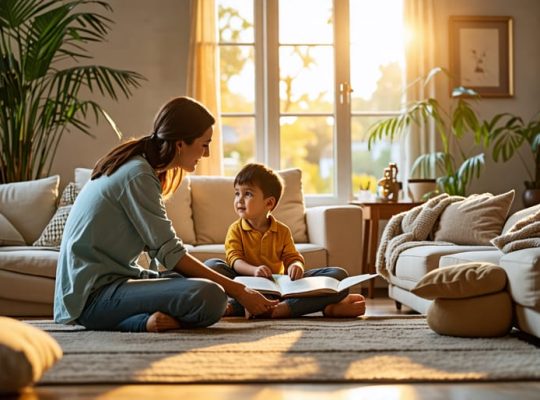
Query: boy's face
point(249, 202)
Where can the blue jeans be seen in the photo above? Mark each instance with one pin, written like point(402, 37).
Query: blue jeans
point(126, 305)
point(300, 305)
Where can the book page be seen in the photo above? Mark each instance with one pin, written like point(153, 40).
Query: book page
point(354, 280)
point(312, 285)
point(263, 285)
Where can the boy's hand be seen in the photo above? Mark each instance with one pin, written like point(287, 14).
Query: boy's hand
point(295, 271)
point(263, 271)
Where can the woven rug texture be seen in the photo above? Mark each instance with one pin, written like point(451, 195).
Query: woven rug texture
point(369, 349)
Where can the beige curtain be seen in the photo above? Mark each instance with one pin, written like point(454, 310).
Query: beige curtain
point(202, 79)
point(420, 59)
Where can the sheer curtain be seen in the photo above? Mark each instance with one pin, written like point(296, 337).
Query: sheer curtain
point(202, 79)
point(420, 59)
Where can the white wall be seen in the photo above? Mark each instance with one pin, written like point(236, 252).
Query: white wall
point(501, 177)
point(151, 37)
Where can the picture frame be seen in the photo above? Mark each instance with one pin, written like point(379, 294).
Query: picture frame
point(481, 54)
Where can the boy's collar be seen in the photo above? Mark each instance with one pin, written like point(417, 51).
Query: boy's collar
point(247, 227)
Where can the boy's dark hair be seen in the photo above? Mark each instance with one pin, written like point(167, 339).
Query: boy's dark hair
point(263, 177)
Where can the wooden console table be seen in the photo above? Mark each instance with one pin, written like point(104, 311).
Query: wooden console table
point(372, 213)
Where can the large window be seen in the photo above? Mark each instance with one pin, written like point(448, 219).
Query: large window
point(302, 81)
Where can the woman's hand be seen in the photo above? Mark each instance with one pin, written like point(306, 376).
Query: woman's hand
point(295, 271)
point(254, 302)
point(263, 271)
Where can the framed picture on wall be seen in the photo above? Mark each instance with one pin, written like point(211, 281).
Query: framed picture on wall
point(481, 54)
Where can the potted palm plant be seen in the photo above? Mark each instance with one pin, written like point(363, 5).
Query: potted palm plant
point(508, 135)
point(40, 97)
point(454, 166)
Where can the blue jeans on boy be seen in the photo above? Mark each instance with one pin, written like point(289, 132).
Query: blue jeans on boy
point(126, 305)
point(300, 305)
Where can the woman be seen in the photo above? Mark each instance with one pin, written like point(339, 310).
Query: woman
point(120, 213)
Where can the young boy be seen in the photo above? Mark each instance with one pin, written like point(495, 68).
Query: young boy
point(259, 245)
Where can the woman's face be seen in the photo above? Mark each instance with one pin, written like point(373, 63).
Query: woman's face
point(188, 155)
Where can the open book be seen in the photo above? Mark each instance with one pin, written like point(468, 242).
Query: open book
point(281, 285)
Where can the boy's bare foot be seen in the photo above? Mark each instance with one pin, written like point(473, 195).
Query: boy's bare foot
point(160, 322)
point(353, 305)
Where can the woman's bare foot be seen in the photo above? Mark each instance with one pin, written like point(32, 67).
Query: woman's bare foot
point(160, 322)
point(353, 305)
point(282, 310)
point(228, 310)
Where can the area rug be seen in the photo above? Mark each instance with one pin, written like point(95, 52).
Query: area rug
point(369, 349)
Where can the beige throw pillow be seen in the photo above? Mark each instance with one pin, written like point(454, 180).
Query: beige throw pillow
point(461, 281)
point(29, 205)
point(9, 236)
point(475, 220)
point(25, 354)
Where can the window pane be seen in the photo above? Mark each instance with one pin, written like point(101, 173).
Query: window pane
point(238, 143)
point(308, 143)
point(368, 165)
point(377, 54)
point(306, 78)
point(305, 21)
point(235, 21)
point(237, 78)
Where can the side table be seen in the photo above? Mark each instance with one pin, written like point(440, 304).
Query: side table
point(372, 213)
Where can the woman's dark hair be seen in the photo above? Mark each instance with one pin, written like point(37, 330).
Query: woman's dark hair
point(270, 183)
point(182, 118)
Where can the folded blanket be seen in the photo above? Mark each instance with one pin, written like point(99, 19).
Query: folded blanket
point(409, 229)
point(524, 234)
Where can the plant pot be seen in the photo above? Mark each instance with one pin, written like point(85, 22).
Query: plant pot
point(418, 188)
point(531, 197)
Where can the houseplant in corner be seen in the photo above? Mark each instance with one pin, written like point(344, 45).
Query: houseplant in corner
point(508, 135)
point(41, 45)
point(453, 166)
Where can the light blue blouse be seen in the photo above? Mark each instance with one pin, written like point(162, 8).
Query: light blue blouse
point(113, 220)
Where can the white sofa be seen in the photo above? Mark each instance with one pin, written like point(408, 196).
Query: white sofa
point(201, 211)
point(522, 268)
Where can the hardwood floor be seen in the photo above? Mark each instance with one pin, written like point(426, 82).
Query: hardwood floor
point(380, 305)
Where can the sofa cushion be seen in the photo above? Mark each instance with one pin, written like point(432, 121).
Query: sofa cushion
point(484, 316)
point(523, 270)
point(412, 264)
point(179, 212)
point(30, 205)
point(490, 256)
point(519, 215)
point(212, 203)
point(9, 236)
point(482, 214)
point(82, 175)
point(26, 353)
point(461, 281)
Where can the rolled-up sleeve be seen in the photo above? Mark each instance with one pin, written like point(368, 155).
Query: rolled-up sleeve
point(142, 201)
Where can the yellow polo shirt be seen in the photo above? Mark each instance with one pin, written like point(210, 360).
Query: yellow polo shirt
point(273, 248)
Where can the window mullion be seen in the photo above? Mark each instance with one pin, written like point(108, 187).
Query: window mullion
point(270, 48)
point(342, 137)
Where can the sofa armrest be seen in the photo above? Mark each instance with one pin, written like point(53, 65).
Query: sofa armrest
point(339, 230)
